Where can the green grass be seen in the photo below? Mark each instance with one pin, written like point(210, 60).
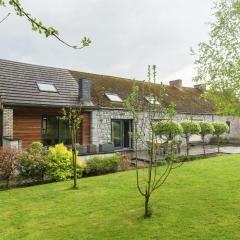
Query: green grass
point(199, 201)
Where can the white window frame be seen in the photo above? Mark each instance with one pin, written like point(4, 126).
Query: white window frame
point(47, 87)
point(114, 97)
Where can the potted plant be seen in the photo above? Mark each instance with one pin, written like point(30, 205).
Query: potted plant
point(82, 149)
point(106, 147)
point(91, 148)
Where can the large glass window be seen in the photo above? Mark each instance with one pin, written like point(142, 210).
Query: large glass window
point(120, 133)
point(54, 131)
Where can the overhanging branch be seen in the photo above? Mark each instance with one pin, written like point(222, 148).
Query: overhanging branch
point(5, 18)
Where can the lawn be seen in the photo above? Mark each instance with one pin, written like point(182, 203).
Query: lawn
point(201, 200)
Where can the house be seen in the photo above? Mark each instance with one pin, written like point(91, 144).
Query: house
point(32, 96)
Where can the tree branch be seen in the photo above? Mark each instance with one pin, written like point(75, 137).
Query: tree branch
point(5, 18)
point(48, 31)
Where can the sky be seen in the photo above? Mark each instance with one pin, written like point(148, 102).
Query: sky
point(127, 36)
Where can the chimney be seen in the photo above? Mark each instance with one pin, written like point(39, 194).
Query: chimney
point(201, 87)
point(176, 83)
point(84, 89)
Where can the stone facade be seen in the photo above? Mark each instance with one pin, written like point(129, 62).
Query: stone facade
point(8, 122)
point(101, 123)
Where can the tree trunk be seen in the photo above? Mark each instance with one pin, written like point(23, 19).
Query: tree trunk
point(188, 148)
point(8, 183)
point(74, 152)
point(147, 212)
point(218, 144)
point(204, 150)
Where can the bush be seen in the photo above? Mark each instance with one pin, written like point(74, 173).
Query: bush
point(125, 162)
point(190, 128)
point(8, 164)
point(102, 165)
point(60, 163)
point(168, 129)
point(33, 162)
point(206, 128)
point(220, 128)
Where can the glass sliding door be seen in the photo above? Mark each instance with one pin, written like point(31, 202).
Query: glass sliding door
point(120, 133)
point(117, 133)
point(54, 131)
point(50, 130)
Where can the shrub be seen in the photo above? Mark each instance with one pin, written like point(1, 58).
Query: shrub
point(190, 128)
point(124, 162)
point(219, 129)
point(60, 165)
point(206, 129)
point(102, 165)
point(33, 162)
point(168, 129)
point(8, 164)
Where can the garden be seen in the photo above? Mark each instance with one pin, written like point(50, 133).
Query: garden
point(199, 201)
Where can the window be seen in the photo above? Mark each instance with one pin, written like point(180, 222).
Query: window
point(44, 87)
point(229, 125)
point(152, 100)
point(113, 97)
point(54, 131)
point(121, 130)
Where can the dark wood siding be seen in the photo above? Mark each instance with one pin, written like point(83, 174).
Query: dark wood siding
point(84, 136)
point(27, 123)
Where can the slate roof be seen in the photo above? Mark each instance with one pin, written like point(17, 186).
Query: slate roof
point(18, 87)
point(186, 99)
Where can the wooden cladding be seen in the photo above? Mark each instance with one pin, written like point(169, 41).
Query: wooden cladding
point(84, 136)
point(27, 125)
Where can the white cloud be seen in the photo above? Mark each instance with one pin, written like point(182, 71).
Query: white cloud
point(127, 35)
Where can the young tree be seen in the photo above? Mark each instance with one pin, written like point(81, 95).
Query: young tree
point(145, 105)
point(206, 129)
point(219, 129)
point(190, 128)
point(73, 118)
point(217, 60)
point(169, 129)
point(38, 26)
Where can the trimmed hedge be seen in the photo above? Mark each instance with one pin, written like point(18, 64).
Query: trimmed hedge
point(102, 165)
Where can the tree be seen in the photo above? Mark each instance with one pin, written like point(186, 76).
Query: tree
point(206, 129)
point(168, 129)
point(218, 60)
point(145, 105)
point(219, 129)
point(38, 26)
point(190, 128)
point(73, 118)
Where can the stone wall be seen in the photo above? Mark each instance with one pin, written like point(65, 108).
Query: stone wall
point(101, 124)
point(7, 122)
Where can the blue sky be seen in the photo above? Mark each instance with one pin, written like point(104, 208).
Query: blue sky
point(127, 35)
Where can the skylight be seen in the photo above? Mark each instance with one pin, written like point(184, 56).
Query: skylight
point(46, 87)
point(152, 100)
point(113, 97)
